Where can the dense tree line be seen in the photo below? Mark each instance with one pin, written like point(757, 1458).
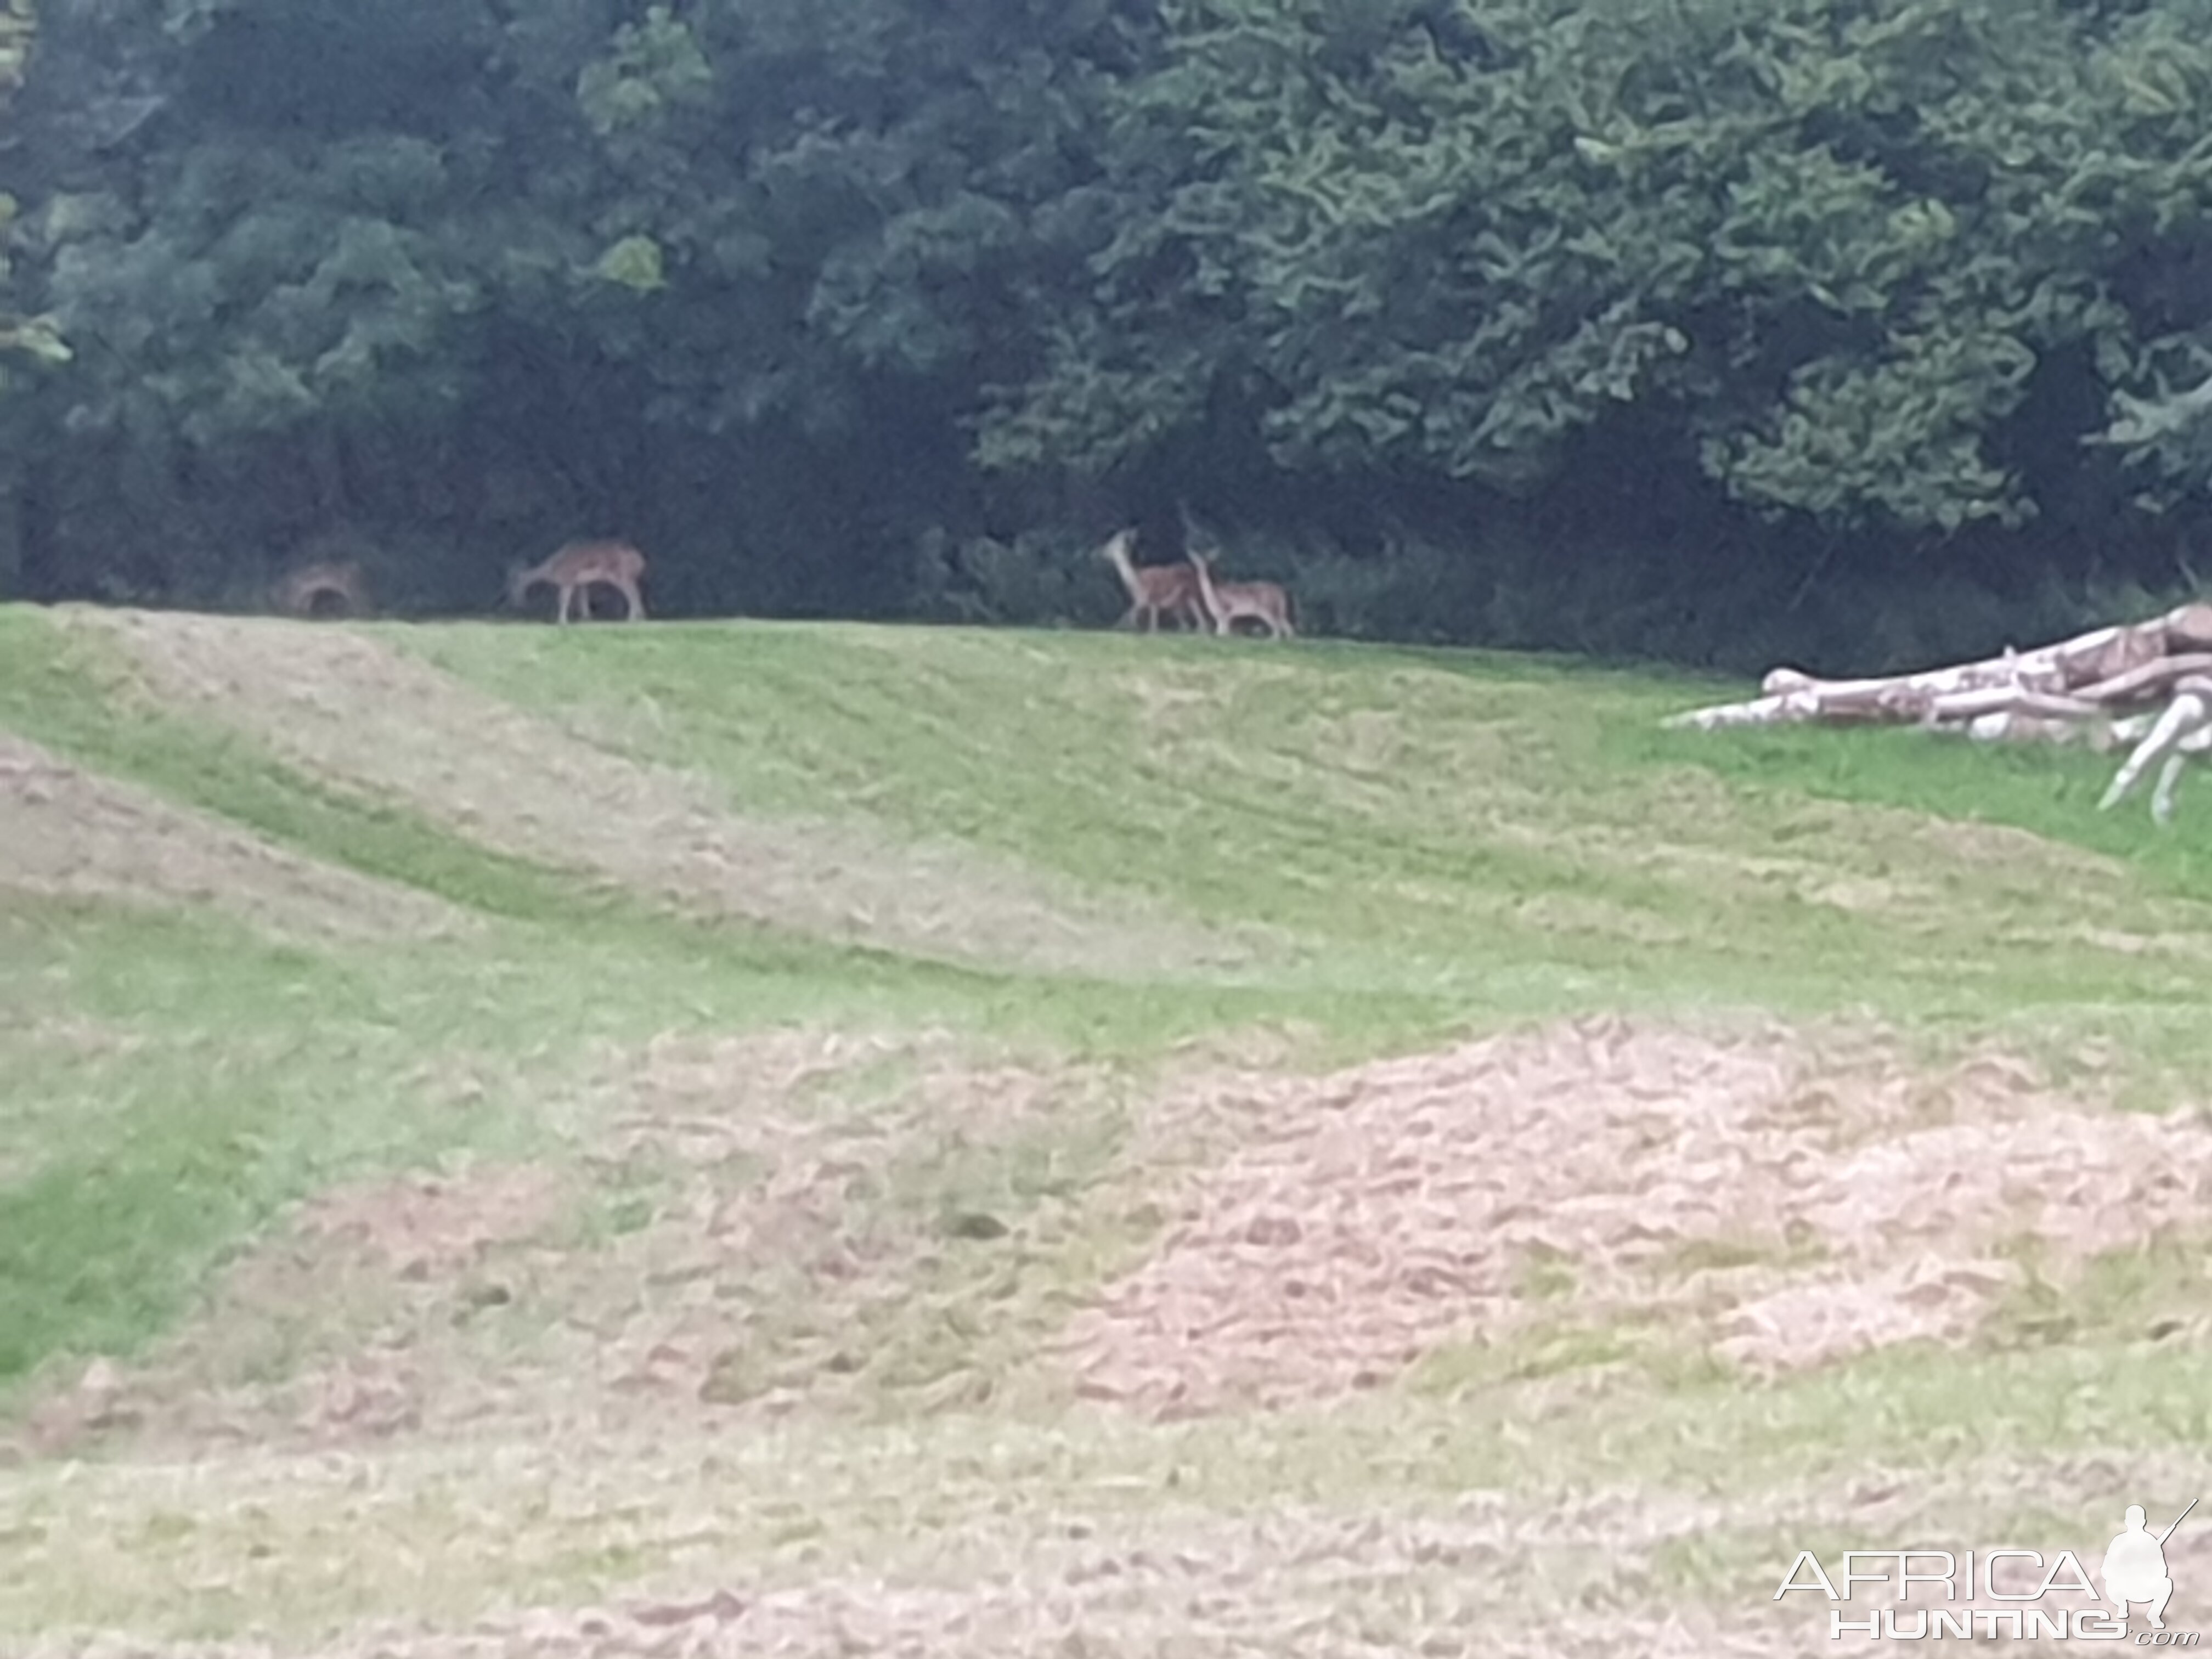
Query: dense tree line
point(1850, 329)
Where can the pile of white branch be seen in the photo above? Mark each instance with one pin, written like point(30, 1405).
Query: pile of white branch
point(2148, 684)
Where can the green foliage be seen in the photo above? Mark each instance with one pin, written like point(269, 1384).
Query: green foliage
point(19, 29)
point(38, 338)
point(653, 65)
point(1427, 235)
point(634, 262)
point(1032, 579)
point(258, 292)
point(1855, 437)
point(2167, 434)
point(1927, 270)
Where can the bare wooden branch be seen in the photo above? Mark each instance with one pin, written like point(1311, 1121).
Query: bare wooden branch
point(1988, 700)
point(2151, 681)
point(2184, 728)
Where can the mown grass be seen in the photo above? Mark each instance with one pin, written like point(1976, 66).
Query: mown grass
point(1445, 840)
point(1449, 829)
point(1440, 843)
point(2049, 790)
point(295, 1545)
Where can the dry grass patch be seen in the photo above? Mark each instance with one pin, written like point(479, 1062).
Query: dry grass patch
point(328, 1332)
point(1486, 1575)
point(809, 1223)
point(1781, 1204)
point(970, 1544)
point(343, 706)
point(67, 833)
point(741, 1226)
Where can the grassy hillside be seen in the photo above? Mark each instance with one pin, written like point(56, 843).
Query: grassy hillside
point(913, 931)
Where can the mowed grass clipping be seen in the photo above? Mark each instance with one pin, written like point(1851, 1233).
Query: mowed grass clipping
point(1435, 844)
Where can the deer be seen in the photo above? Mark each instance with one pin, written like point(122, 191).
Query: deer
point(1228, 603)
point(1153, 589)
point(298, 592)
point(576, 568)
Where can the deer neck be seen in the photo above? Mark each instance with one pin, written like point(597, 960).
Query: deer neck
point(1126, 568)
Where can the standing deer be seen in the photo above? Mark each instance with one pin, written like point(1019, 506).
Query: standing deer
point(1228, 603)
point(299, 592)
point(1153, 589)
point(573, 570)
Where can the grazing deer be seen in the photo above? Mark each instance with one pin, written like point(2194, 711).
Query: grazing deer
point(573, 570)
point(1153, 589)
point(300, 592)
point(1228, 603)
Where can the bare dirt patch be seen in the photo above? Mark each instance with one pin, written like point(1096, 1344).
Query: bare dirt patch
point(1789, 1207)
point(68, 833)
point(346, 706)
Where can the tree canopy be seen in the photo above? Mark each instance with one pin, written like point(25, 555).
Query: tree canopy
point(1626, 324)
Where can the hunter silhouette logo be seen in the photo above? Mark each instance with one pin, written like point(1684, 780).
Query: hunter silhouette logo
point(2134, 1574)
point(2134, 1566)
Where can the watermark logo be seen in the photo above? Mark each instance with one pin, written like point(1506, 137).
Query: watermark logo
point(2134, 1566)
point(2064, 1603)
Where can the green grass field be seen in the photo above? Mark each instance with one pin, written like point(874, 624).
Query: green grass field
point(929, 921)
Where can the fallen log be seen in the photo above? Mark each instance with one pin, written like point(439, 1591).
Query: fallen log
point(1967, 705)
point(2102, 657)
point(2151, 681)
point(2159, 672)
